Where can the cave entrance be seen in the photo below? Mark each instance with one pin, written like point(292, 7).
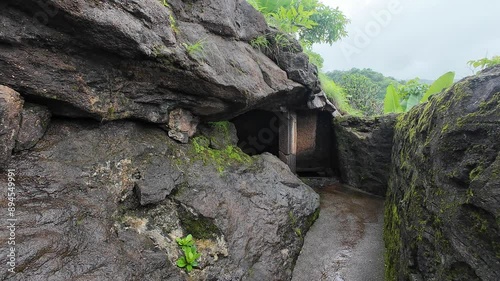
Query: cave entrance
point(258, 132)
point(264, 131)
point(314, 131)
point(301, 139)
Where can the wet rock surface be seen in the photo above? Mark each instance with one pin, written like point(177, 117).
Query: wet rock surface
point(443, 205)
point(363, 151)
point(345, 243)
point(11, 106)
point(112, 60)
point(34, 122)
point(181, 125)
point(79, 216)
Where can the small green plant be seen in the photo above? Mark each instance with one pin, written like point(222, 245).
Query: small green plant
point(191, 255)
point(484, 62)
point(282, 41)
point(468, 195)
point(298, 232)
point(188, 261)
point(186, 241)
point(173, 24)
point(165, 3)
point(196, 49)
point(260, 43)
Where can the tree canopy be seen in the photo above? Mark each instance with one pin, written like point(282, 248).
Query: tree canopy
point(376, 77)
point(362, 93)
point(310, 20)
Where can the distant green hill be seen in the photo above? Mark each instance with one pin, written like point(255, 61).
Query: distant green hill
point(378, 78)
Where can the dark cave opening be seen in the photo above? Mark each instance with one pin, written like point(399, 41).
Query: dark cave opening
point(258, 132)
point(314, 141)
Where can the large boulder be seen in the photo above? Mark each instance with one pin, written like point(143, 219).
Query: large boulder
point(363, 151)
point(115, 59)
point(105, 201)
point(442, 211)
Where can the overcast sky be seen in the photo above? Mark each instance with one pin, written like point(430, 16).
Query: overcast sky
point(414, 38)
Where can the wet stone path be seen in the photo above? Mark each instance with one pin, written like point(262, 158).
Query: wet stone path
point(346, 242)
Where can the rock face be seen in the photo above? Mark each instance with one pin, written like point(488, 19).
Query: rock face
point(181, 125)
point(106, 201)
point(34, 122)
point(443, 204)
point(116, 59)
point(363, 151)
point(11, 106)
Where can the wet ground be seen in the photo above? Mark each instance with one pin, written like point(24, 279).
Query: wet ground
point(346, 242)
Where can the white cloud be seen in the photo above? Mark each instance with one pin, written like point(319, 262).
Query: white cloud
point(423, 38)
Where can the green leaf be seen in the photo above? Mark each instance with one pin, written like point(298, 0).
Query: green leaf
point(186, 241)
point(391, 101)
point(266, 6)
point(189, 256)
point(443, 82)
point(403, 104)
point(189, 268)
point(197, 256)
point(181, 262)
point(412, 101)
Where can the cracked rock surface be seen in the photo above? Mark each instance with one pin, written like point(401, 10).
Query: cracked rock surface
point(80, 216)
point(116, 59)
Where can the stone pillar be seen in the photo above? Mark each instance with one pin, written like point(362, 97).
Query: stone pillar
point(288, 139)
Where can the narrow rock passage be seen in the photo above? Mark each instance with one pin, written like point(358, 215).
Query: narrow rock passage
point(346, 242)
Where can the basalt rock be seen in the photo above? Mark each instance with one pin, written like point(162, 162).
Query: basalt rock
point(221, 134)
point(34, 122)
point(11, 106)
point(111, 60)
point(105, 201)
point(443, 205)
point(363, 151)
point(181, 125)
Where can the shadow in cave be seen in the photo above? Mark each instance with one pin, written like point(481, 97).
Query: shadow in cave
point(258, 132)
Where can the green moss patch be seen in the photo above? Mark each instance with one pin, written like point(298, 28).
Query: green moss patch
point(220, 158)
point(198, 226)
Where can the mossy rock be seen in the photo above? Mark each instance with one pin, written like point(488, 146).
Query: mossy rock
point(197, 225)
point(442, 212)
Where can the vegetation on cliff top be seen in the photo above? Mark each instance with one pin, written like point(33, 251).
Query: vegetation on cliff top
point(309, 21)
point(403, 98)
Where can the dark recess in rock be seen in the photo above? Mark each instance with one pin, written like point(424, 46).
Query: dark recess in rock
point(363, 151)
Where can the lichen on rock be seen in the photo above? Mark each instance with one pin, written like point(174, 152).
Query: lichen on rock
point(80, 183)
point(363, 151)
point(442, 212)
